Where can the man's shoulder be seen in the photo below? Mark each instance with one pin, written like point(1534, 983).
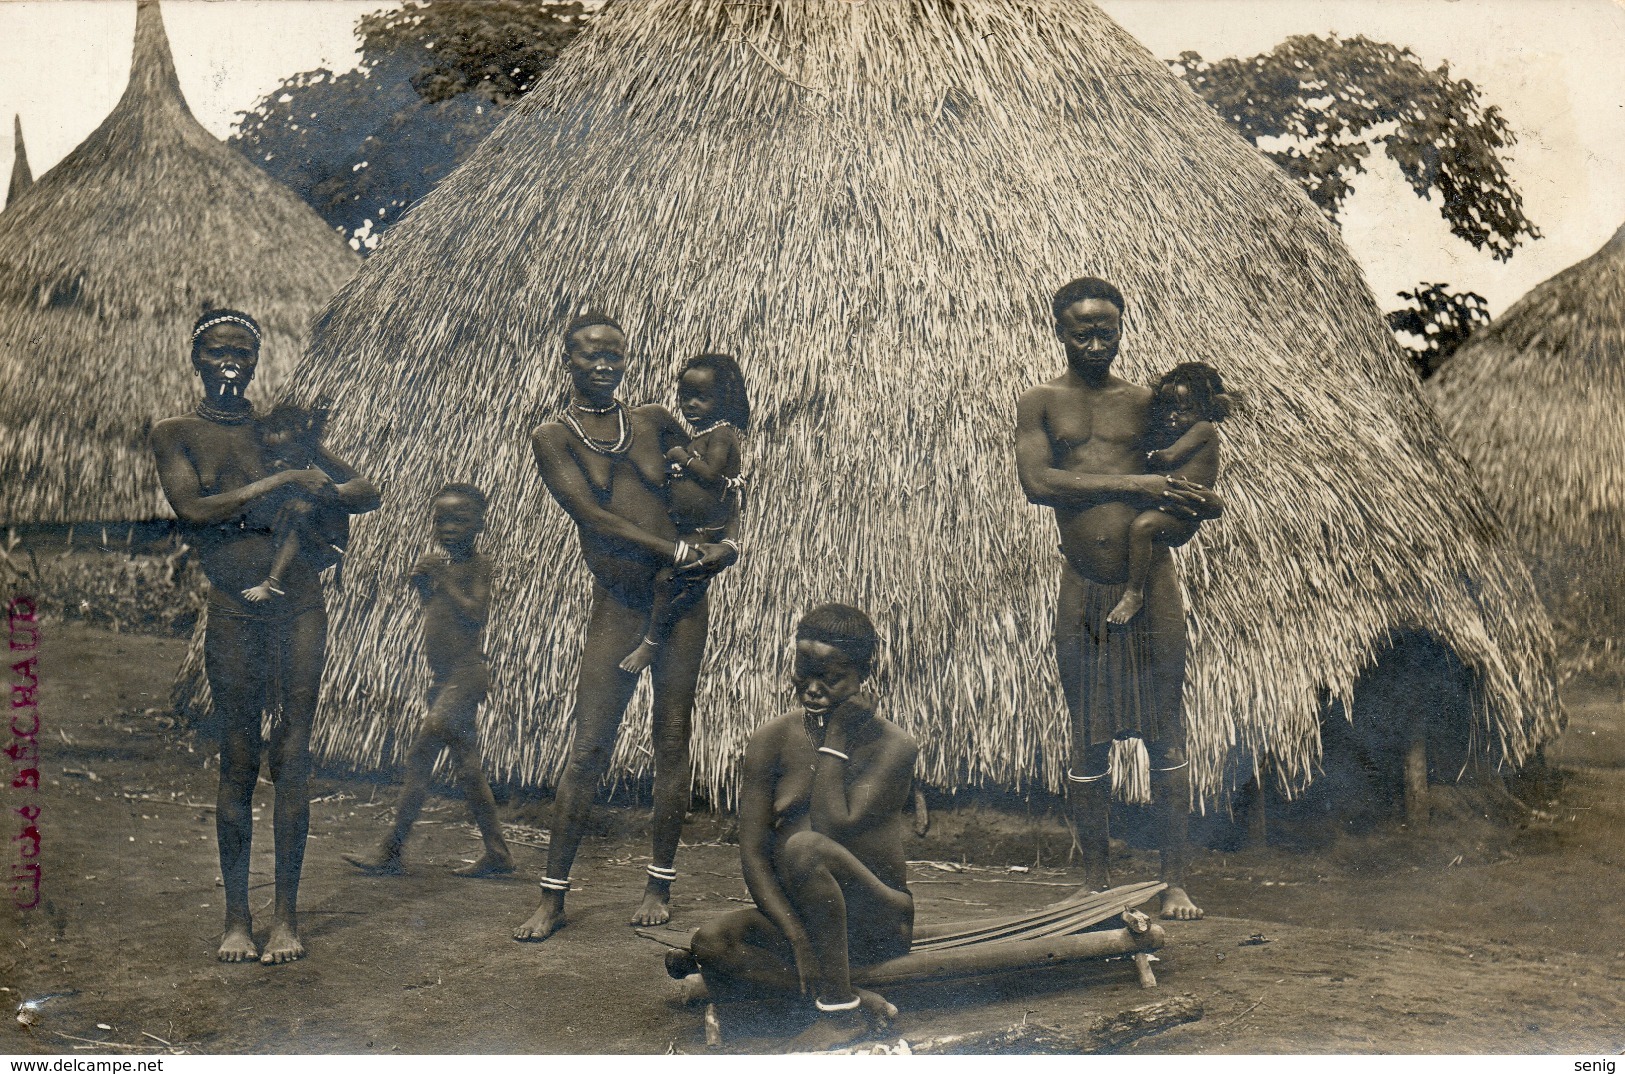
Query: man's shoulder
point(894, 735)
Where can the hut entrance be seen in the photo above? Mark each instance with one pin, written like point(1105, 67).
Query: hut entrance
point(1411, 726)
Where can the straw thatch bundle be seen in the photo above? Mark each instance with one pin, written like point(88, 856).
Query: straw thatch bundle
point(871, 204)
point(104, 264)
point(21, 177)
point(1534, 401)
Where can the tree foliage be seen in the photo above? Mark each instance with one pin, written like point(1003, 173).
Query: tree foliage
point(361, 147)
point(1439, 320)
point(1318, 105)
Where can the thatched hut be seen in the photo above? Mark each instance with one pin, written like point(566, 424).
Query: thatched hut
point(1534, 401)
point(871, 205)
point(104, 265)
point(21, 177)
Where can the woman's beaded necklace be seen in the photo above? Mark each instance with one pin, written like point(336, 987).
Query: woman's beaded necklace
point(623, 437)
point(221, 416)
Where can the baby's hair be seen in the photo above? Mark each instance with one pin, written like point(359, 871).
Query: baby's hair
point(1204, 383)
point(307, 424)
point(464, 489)
point(845, 629)
point(734, 407)
point(590, 320)
point(1081, 290)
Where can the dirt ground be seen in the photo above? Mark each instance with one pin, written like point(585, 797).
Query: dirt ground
point(1468, 937)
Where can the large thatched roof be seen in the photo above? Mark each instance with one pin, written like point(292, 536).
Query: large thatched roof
point(871, 204)
point(21, 177)
point(104, 264)
point(1535, 402)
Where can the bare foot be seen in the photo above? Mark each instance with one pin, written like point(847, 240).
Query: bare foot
point(831, 1030)
point(680, 963)
point(489, 865)
point(259, 594)
point(641, 657)
point(548, 919)
point(1127, 608)
point(382, 862)
point(282, 946)
point(1177, 906)
point(879, 1009)
point(654, 910)
point(237, 945)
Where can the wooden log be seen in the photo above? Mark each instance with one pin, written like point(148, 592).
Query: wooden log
point(1416, 775)
point(1142, 965)
point(954, 962)
point(1107, 1033)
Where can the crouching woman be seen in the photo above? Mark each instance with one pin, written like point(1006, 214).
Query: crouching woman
point(821, 842)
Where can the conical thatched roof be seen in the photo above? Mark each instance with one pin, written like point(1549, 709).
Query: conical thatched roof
point(21, 177)
point(105, 264)
point(871, 204)
point(1535, 402)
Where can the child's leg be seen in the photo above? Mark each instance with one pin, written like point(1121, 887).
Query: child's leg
point(1148, 529)
point(454, 712)
point(414, 792)
point(272, 586)
point(667, 583)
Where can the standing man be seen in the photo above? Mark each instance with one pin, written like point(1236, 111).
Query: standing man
point(605, 464)
point(215, 475)
point(1080, 450)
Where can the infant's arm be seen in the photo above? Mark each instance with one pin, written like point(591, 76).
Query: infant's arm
point(1197, 437)
point(713, 454)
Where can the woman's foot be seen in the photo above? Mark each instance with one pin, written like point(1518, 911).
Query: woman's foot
point(490, 864)
point(283, 945)
point(1127, 608)
point(641, 657)
point(237, 945)
point(655, 909)
point(548, 919)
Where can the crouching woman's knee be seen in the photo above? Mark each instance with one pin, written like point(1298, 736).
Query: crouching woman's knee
point(804, 854)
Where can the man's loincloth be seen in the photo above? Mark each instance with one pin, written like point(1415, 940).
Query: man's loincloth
point(1117, 695)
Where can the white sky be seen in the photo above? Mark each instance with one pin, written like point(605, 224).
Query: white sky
point(1553, 66)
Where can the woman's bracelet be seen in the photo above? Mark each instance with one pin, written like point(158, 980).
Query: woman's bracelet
point(833, 753)
point(733, 544)
point(679, 553)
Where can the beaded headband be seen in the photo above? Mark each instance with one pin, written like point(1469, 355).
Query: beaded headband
point(226, 318)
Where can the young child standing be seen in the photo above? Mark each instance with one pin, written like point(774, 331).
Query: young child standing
point(705, 490)
point(1186, 405)
point(455, 588)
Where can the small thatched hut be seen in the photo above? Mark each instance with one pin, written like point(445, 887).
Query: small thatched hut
point(871, 205)
point(21, 177)
point(1535, 402)
point(104, 265)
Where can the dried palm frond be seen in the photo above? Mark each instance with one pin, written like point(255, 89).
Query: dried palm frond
point(871, 204)
point(1534, 401)
point(105, 261)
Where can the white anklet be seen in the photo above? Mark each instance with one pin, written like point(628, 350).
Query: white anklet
point(547, 883)
point(1173, 768)
point(833, 1008)
point(1071, 778)
point(657, 873)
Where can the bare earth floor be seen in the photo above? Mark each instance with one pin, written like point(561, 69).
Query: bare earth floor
point(1467, 938)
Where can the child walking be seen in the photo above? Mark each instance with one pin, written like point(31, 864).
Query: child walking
point(455, 588)
point(706, 491)
point(1186, 405)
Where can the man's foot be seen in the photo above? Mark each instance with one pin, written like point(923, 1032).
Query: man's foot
point(489, 865)
point(382, 862)
point(548, 919)
point(237, 945)
point(1177, 906)
point(282, 946)
point(641, 657)
point(1127, 608)
point(260, 594)
point(655, 909)
point(831, 1030)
